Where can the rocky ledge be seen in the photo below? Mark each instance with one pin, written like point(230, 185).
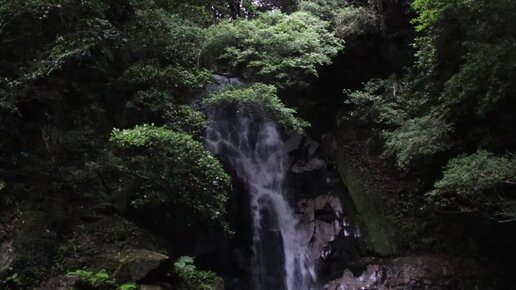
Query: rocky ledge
point(428, 272)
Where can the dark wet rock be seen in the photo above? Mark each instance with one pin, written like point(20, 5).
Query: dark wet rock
point(34, 246)
point(6, 255)
point(110, 243)
point(368, 193)
point(137, 264)
point(320, 218)
point(428, 272)
point(310, 165)
point(63, 282)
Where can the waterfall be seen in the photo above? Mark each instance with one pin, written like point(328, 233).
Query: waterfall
point(256, 152)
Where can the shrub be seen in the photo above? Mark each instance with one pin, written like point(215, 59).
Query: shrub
point(354, 21)
point(164, 168)
point(259, 100)
point(478, 182)
point(194, 279)
point(93, 278)
point(417, 138)
point(274, 48)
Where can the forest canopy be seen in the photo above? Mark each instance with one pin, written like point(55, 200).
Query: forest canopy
point(454, 108)
point(104, 106)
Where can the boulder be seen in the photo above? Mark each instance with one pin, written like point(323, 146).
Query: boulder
point(136, 264)
point(63, 282)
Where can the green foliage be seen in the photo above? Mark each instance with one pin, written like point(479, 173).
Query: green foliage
point(162, 167)
point(438, 21)
point(140, 136)
point(73, 70)
point(430, 11)
point(275, 47)
point(347, 20)
point(10, 281)
point(151, 100)
point(485, 81)
point(93, 278)
point(381, 102)
point(418, 138)
point(355, 21)
point(171, 77)
point(14, 279)
point(184, 118)
point(128, 286)
point(101, 278)
point(393, 110)
point(470, 174)
point(77, 47)
point(259, 100)
point(458, 92)
point(324, 9)
point(478, 182)
point(194, 279)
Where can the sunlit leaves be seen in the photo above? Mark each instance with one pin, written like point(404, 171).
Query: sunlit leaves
point(258, 100)
point(274, 48)
point(171, 169)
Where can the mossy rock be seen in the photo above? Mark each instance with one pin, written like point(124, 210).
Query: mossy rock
point(368, 197)
point(102, 244)
point(35, 246)
point(137, 264)
point(62, 282)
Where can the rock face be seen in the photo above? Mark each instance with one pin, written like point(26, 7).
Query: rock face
point(320, 212)
point(136, 264)
point(433, 272)
point(368, 194)
point(324, 209)
point(63, 282)
point(345, 212)
point(322, 220)
point(6, 255)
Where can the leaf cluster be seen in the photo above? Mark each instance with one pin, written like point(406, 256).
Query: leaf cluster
point(99, 278)
point(258, 100)
point(160, 167)
point(273, 48)
point(478, 182)
point(194, 279)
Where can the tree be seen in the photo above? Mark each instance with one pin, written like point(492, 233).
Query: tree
point(273, 48)
point(456, 99)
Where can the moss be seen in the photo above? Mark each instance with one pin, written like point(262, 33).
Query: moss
point(369, 190)
point(368, 202)
point(36, 248)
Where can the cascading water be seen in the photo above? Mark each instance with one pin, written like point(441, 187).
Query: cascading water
point(256, 151)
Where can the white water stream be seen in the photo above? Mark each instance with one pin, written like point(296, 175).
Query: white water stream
point(257, 154)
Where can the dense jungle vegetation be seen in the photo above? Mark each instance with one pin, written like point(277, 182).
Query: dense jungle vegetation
point(103, 111)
